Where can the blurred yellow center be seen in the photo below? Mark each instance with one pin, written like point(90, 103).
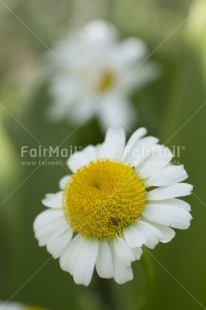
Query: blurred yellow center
point(102, 198)
point(106, 81)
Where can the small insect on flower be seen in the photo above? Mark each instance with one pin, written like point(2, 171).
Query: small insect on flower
point(89, 66)
point(118, 199)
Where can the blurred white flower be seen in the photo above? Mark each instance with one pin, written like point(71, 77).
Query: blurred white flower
point(94, 74)
point(18, 306)
point(119, 198)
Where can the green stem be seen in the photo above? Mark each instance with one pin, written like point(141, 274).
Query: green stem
point(105, 292)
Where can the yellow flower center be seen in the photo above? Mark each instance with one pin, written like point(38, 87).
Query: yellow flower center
point(102, 198)
point(106, 81)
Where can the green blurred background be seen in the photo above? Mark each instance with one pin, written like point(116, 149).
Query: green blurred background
point(172, 276)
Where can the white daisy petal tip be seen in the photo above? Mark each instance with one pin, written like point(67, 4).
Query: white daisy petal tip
point(166, 213)
point(137, 253)
point(100, 30)
point(168, 176)
point(64, 181)
point(53, 200)
point(113, 146)
point(172, 191)
point(88, 230)
point(104, 263)
point(122, 274)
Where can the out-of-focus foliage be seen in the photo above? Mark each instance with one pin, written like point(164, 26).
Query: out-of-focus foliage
point(171, 107)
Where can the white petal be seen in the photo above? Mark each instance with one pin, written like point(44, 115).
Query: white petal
point(63, 181)
point(151, 234)
point(5, 305)
point(137, 253)
point(139, 133)
point(47, 217)
point(176, 202)
point(173, 202)
point(53, 200)
point(113, 145)
point(123, 252)
point(145, 74)
point(59, 242)
point(82, 158)
point(133, 237)
point(167, 214)
point(80, 258)
point(99, 31)
point(117, 112)
point(122, 274)
point(85, 262)
point(76, 161)
point(82, 109)
point(89, 153)
point(132, 49)
point(104, 264)
point(177, 190)
point(167, 232)
point(141, 150)
point(45, 233)
point(68, 259)
point(158, 159)
point(167, 176)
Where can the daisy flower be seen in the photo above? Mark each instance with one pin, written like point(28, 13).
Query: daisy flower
point(89, 66)
point(117, 199)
